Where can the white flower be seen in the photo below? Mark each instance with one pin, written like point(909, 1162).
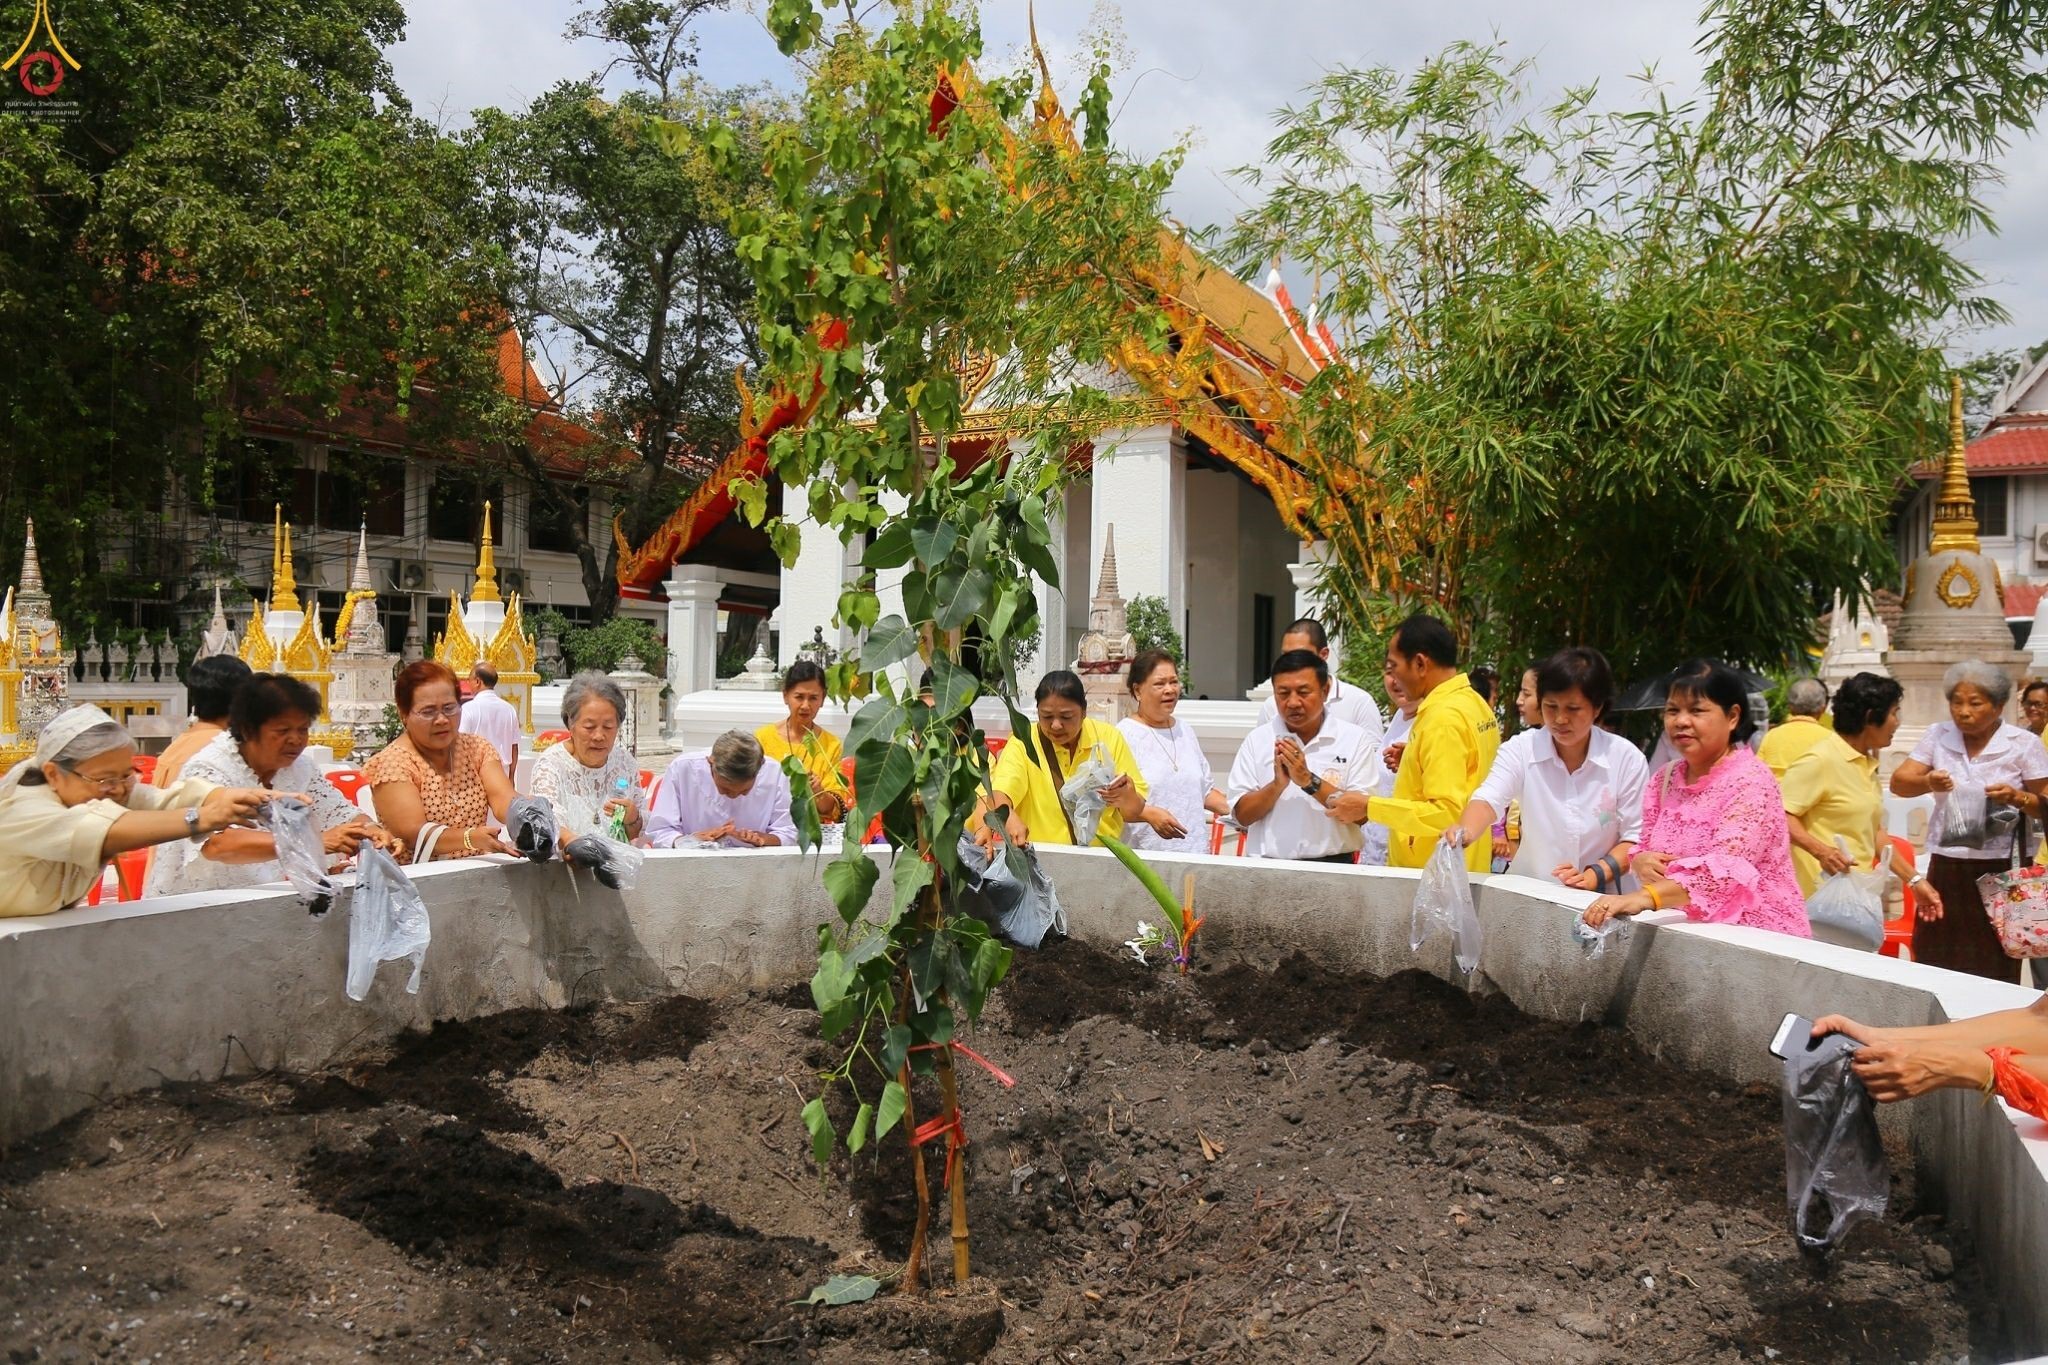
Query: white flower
point(1137, 947)
point(1148, 937)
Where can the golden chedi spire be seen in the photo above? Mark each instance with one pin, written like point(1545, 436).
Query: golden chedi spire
point(486, 589)
point(1955, 512)
point(284, 588)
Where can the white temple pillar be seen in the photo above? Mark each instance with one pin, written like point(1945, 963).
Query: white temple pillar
point(692, 629)
point(1307, 573)
point(811, 586)
point(1140, 487)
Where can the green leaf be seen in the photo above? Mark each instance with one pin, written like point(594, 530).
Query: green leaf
point(822, 1136)
point(895, 1047)
point(890, 1112)
point(787, 542)
point(880, 775)
point(850, 879)
point(863, 1120)
point(958, 596)
point(1038, 559)
point(803, 804)
point(845, 1289)
point(934, 539)
point(891, 549)
point(991, 964)
point(890, 642)
point(830, 982)
point(911, 875)
point(953, 689)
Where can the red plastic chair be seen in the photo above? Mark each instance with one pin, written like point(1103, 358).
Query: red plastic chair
point(549, 738)
point(995, 745)
point(131, 872)
point(1898, 933)
point(1216, 828)
point(145, 769)
point(349, 782)
point(646, 779)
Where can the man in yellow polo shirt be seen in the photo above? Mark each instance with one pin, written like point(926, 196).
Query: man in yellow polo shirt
point(1450, 748)
point(1802, 730)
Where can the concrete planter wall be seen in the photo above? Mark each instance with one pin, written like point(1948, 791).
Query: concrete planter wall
point(104, 1001)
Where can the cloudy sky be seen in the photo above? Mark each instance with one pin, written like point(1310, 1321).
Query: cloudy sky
point(1215, 71)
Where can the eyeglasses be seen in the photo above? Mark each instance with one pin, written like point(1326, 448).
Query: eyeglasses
point(452, 711)
point(106, 786)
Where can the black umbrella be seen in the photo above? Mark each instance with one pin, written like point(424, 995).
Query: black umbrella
point(1648, 695)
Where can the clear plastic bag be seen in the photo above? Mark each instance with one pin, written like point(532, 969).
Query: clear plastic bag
point(1848, 907)
point(1596, 941)
point(1963, 819)
point(387, 920)
point(1836, 1175)
point(300, 854)
point(1022, 912)
point(530, 827)
point(1443, 903)
point(616, 865)
point(1081, 794)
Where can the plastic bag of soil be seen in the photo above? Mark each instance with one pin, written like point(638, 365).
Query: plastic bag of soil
point(1443, 904)
point(300, 854)
point(1082, 796)
point(1023, 912)
point(1848, 907)
point(1963, 819)
point(615, 865)
point(387, 920)
point(530, 828)
point(1836, 1175)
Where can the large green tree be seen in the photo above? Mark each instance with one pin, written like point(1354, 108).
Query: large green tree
point(1645, 378)
point(618, 227)
point(245, 215)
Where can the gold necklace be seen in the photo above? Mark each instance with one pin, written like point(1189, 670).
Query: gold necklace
point(1165, 748)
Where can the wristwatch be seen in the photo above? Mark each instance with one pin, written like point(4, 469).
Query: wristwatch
point(1313, 785)
point(1918, 877)
point(192, 830)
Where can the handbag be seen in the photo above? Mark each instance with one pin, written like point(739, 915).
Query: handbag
point(2016, 902)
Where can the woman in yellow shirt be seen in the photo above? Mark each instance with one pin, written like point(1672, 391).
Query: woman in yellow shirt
point(803, 692)
point(1831, 792)
point(1025, 790)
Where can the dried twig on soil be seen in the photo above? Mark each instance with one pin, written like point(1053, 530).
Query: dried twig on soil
point(620, 1138)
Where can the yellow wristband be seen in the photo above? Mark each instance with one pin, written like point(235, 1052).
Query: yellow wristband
point(1651, 892)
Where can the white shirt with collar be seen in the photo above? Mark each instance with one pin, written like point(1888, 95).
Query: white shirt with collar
point(1567, 817)
point(1299, 826)
point(1352, 705)
point(497, 720)
point(2012, 756)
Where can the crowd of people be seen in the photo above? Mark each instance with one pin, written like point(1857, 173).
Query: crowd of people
point(1726, 830)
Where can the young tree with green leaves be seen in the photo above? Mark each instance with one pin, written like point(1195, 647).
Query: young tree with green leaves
point(920, 213)
point(1649, 379)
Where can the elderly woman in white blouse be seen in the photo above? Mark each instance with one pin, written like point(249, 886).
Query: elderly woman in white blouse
point(1176, 771)
point(590, 776)
point(270, 724)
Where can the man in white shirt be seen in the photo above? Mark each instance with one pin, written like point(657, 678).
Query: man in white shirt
point(1352, 705)
point(1291, 768)
point(491, 716)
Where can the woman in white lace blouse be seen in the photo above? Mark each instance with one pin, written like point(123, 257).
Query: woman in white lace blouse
point(590, 774)
point(270, 723)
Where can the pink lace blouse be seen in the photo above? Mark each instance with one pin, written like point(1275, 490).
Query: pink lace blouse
point(1728, 844)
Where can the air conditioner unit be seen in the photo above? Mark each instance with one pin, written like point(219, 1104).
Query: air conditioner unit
point(411, 575)
point(2041, 544)
point(511, 581)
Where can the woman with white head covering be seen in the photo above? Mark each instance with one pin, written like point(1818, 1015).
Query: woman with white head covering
point(66, 811)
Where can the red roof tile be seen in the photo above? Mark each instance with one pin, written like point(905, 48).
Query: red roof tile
point(2013, 446)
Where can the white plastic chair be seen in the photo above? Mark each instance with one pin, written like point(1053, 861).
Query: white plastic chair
point(1906, 817)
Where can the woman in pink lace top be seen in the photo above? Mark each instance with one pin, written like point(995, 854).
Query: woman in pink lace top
point(1715, 843)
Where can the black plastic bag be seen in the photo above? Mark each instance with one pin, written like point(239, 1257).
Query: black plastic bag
point(1836, 1175)
point(1022, 912)
point(301, 855)
point(530, 828)
point(616, 865)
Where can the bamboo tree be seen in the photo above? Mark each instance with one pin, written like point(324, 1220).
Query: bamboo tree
point(922, 215)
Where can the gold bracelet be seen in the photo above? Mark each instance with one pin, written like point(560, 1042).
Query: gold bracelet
point(1990, 1086)
point(467, 846)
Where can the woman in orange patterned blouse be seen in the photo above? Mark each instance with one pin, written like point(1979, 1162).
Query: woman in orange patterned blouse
point(434, 775)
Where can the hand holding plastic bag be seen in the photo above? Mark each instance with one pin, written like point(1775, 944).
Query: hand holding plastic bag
point(301, 855)
point(1836, 1175)
point(530, 827)
point(1849, 906)
point(1963, 819)
point(1443, 903)
point(1595, 941)
point(1082, 794)
point(387, 920)
point(1022, 912)
point(616, 865)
